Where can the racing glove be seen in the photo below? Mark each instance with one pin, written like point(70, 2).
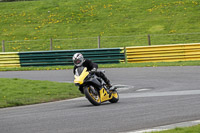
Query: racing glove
point(93, 71)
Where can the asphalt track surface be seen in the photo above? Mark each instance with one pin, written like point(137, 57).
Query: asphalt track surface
point(155, 96)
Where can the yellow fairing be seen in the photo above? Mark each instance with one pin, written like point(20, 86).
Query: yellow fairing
point(104, 95)
point(80, 79)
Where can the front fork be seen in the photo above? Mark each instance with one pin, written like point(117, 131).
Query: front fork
point(94, 91)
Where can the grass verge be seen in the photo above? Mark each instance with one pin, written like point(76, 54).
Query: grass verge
point(121, 65)
point(193, 129)
point(17, 92)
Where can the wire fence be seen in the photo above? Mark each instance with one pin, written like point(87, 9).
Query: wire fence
point(98, 42)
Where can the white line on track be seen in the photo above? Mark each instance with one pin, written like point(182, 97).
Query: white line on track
point(123, 87)
point(167, 127)
point(158, 94)
point(143, 90)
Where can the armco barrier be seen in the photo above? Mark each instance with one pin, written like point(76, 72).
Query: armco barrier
point(9, 59)
point(64, 57)
point(163, 53)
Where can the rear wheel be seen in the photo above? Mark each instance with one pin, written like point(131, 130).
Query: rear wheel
point(92, 95)
point(115, 97)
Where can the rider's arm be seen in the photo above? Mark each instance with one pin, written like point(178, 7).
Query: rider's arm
point(90, 65)
point(74, 69)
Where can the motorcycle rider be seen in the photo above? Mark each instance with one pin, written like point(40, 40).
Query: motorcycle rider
point(79, 60)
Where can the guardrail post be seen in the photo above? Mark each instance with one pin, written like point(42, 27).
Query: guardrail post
point(149, 39)
point(99, 41)
point(51, 44)
point(3, 46)
point(125, 56)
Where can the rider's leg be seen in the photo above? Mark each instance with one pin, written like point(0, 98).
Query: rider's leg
point(106, 80)
point(102, 75)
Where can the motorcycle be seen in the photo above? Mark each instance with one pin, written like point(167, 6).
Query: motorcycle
point(94, 87)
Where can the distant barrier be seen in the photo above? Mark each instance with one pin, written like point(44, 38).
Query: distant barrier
point(64, 57)
point(163, 53)
point(9, 59)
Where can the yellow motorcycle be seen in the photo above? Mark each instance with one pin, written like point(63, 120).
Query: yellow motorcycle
point(94, 87)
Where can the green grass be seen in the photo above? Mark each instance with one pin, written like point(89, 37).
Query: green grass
point(193, 129)
point(80, 22)
point(121, 65)
point(17, 92)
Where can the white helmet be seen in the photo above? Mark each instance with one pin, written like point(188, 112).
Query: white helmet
point(78, 59)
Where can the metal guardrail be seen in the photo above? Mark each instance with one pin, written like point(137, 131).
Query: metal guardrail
point(158, 53)
point(163, 53)
point(64, 57)
point(9, 59)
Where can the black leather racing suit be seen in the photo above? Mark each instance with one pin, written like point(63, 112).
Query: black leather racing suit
point(90, 65)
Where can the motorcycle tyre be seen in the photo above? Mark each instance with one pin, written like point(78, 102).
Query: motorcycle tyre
point(88, 96)
point(114, 99)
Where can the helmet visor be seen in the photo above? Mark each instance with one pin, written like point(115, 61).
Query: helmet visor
point(77, 61)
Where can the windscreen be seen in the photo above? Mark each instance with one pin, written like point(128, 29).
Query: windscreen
point(78, 71)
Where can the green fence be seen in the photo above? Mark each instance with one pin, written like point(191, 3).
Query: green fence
point(64, 57)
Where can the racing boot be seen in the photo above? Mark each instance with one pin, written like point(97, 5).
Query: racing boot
point(108, 84)
point(106, 80)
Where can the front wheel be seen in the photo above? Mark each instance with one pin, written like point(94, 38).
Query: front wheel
point(92, 95)
point(115, 97)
